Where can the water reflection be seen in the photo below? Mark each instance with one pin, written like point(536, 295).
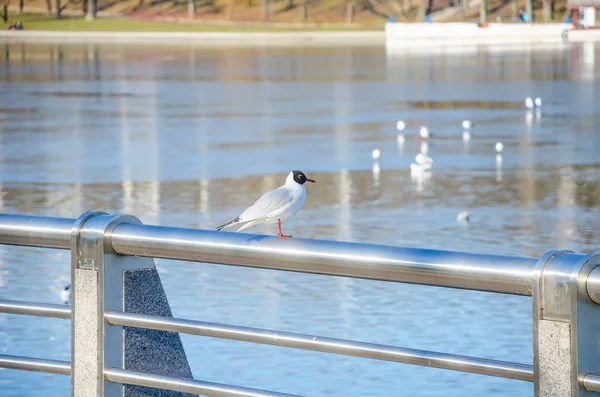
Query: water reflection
point(190, 136)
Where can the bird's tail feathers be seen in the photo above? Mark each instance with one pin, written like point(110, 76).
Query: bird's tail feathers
point(236, 220)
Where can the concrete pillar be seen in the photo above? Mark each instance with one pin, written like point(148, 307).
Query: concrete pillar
point(565, 323)
point(104, 281)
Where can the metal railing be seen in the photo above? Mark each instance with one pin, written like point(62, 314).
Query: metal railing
point(565, 288)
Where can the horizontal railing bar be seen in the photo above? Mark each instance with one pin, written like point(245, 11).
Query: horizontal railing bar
point(591, 383)
point(511, 275)
point(35, 364)
point(329, 345)
point(504, 274)
point(36, 231)
point(184, 385)
point(35, 309)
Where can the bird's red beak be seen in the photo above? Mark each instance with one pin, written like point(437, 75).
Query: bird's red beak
point(310, 180)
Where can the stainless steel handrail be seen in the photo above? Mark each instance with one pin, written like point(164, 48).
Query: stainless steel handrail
point(591, 382)
point(328, 345)
point(184, 385)
point(510, 275)
point(35, 364)
point(35, 309)
point(504, 274)
point(36, 231)
point(288, 339)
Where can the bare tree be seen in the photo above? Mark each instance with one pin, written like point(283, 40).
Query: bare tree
point(423, 5)
point(529, 9)
point(289, 4)
point(483, 11)
point(91, 10)
point(264, 9)
point(547, 10)
point(350, 12)
point(21, 6)
point(191, 8)
point(58, 9)
point(230, 9)
point(305, 10)
point(4, 10)
point(49, 5)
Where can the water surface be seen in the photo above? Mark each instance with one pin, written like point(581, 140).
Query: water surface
point(189, 136)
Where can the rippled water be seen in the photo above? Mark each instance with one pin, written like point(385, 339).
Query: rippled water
point(189, 136)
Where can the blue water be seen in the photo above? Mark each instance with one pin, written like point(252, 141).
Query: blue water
point(189, 136)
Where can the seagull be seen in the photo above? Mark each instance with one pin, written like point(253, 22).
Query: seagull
point(65, 293)
point(423, 160)
point(467, 124)
point(400, 126)
point(499, 147)
point(375, 154)
point(538, 102)
point(424, 132)
point(273, 206)
point(529, 103)
point(464, 216)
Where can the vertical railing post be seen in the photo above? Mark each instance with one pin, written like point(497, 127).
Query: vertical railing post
point(566, 325)
point(97, 277)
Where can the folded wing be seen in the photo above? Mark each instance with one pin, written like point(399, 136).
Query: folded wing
point(267, 204)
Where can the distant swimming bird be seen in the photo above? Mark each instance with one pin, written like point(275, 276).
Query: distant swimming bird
point(499, 147)
point(424, 132)
point(423, 160)
point(400, 126)
point(65, 293)
point(274, 206)
point(467, 124)
point(422, 164)
point(375, 154)
point(538, 102)
point(529, 103)
point(463, 216)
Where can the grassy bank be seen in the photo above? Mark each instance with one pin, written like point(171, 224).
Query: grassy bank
point(45, 22)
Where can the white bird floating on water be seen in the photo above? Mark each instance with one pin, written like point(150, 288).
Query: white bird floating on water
point(375, 154)
point(529, 103)
point(424, 132)
point(423, 160)
point(274, 206)
point(65, 293)
point(499, 147)
point(467, 124)
point(463, 216)
point(422, 164)
point(538, 102)
point(400, 126)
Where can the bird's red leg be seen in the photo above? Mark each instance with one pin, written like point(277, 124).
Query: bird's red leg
point(281, 235)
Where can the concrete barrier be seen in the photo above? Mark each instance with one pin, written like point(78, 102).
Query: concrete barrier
point(471, 33)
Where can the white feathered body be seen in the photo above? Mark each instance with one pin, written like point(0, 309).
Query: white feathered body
point(276, 205)
point(279, 204)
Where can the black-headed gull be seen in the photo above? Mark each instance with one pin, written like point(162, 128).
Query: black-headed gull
point(274, 206)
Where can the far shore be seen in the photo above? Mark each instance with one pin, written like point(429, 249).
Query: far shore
point(123, 30)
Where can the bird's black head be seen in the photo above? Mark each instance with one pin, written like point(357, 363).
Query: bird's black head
point(300, 178)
